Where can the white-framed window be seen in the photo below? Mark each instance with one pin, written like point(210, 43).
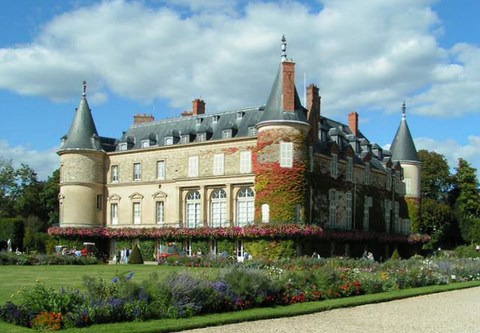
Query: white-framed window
point(246, 161)
point(187, 247)
point(348, 208)
point(161, 170)
point(388, 182)
point(218, 164)
point(198, 121)
point(168, 141)
point(160, 212)
point(227, 133)
point(145, 143)
point(215, 119)
point(239, 115)
point(245, 206)
point(214, 246)
point(193, 166)
point(252, 131)
point(367, 173)
point(349, 171)
point(122, 146)
point(114, 174)
point(218, 208)
point(367, 204)
point(192, 211)
point(408, 185)
point(388, 214)
point(114, 213)
point(239, 249)
point(137, 213)
point(333, 203)
point(201, 137)
point(265, 213)
point(137, 171)
point(99, 201)
point(286, 154)
point(334, 166)
point(184, 138)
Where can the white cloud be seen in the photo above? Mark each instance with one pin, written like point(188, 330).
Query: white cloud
point(453, 150)
point(361, 54)
point(42, 162)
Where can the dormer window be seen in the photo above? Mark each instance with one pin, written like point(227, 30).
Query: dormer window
point(215, 119)
point(198, 121)
point(168, 141)
point(184, 138)
point(252, 131)
point(145, 143)
point(227, 133)
point(122, 146)
point(240, 115)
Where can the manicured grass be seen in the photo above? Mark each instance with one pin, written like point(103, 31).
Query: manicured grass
point(57, 276)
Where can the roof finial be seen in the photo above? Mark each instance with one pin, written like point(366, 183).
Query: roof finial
point(404, 110)
point(284, 48)
point(84, 88)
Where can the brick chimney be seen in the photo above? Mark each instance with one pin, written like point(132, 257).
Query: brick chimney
point(313, 107)
point(353, 122)
point(288, 86)
point(142, 118)
point(198, 106)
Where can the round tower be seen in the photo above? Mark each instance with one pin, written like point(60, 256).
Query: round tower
point(82, 177)
point(280, 159)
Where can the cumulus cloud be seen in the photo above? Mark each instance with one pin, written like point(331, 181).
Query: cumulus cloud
point(42, 162)
point(369, 55)
point(453, 150)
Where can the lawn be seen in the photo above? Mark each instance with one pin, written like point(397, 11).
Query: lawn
point(14, 277)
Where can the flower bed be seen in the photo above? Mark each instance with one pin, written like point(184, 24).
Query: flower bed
point(253, 284)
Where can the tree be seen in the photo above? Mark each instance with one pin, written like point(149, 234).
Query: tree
point(436, 179)
point(12, 182)
point(467, 203)
point(49, 197)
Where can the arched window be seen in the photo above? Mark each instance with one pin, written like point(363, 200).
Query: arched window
point(245, 206)
point(193, 209)
point(218, 208)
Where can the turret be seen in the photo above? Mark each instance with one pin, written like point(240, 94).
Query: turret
point(82, 162)
point(280, 157)
point(404, 151)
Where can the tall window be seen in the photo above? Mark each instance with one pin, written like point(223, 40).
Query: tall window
point(245, 206)
point(408, 185)
point(161, 170)
point(114, 173)
point(388, 214)
point(184, 138)
point(114, 213)
point(349, 172)
point(137, 171)
point(137, 213)
point(168, 141)
point(397, 213)
point(99, 201)
point(286, 154)
point(333, 198)
point(145, 143)
point(310, 156)
point(367, 173)
point(160, 212)
point(334, 166)
point(246, 161)
point(218, 164)
point(193, 166)
point(201, 137)
point(348, 208)
point(367, 204)
point(219, 208)
point(227, 133)
point(193, 209)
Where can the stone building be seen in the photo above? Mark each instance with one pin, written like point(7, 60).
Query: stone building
point(280, 163)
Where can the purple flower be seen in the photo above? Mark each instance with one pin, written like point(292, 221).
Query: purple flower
point(129, 276)
point(115, 279)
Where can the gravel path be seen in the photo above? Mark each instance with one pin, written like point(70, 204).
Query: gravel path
point(453, 312)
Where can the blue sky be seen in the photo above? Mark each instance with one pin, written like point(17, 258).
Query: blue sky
point(155, 57)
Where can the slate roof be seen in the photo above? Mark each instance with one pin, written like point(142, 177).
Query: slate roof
point(403, 149)
point(274, 108)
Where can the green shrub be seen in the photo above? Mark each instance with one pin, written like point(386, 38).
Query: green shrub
point(135, 257)
point(396, 255)
point(148, 250)
point(269, 250)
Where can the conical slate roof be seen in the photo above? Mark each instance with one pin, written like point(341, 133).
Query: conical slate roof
point(274, 109)
point(82, 129)
point(403, 148)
